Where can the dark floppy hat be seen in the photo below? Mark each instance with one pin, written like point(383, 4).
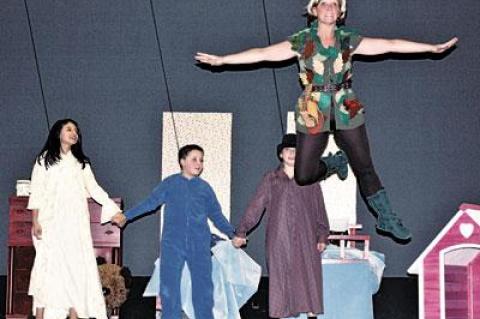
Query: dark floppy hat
point(288, 140)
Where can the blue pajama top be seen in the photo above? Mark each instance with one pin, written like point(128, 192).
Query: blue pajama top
point(188, 205)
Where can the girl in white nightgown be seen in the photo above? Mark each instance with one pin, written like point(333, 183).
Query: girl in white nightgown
point(64, 279)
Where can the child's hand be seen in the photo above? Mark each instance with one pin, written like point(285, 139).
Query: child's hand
point(238, 242)
point(119, 219)
point(321, 247)
point(37, 230)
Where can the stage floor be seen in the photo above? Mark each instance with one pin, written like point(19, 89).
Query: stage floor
point(396, 299)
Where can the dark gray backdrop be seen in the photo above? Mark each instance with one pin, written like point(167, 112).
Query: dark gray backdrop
point(100, 65)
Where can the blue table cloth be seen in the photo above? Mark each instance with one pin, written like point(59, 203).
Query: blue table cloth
point(350, 283)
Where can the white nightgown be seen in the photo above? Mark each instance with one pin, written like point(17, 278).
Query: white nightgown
point(65, 273)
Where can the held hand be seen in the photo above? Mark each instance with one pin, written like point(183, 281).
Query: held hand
point(321, 247)
point(238, 242)
point(442, 47)
point(37, 230)
point(119, 219)
point(210, 59)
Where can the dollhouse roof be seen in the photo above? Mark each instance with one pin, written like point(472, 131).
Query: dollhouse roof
point(473, 211)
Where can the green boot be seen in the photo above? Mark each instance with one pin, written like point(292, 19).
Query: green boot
point(387, 220)
point(336, 164)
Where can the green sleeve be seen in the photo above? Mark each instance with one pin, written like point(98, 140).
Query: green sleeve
point(354, 38)
point(298, 40)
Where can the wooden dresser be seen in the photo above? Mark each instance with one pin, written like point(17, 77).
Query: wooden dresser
point(106, 241)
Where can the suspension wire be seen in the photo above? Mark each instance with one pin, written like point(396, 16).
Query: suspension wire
point(160, 53)
point(279, 106)
point(39, 76)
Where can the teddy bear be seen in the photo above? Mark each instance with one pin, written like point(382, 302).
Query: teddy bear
point(116, 282)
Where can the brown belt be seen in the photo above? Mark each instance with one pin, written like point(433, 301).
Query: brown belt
point(332, 87)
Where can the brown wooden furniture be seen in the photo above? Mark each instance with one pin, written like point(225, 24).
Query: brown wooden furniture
point(106, 241)
point(350, 239)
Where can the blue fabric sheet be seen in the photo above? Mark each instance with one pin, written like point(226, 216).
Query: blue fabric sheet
point(235, 279)
point(348, 284)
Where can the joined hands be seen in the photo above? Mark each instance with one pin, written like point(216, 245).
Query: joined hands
point(119, 219)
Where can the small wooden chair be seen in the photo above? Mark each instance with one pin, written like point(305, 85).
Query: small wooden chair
point(349, 240)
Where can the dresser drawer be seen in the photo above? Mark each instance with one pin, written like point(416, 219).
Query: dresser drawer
point(19, 211)
point(21, 281)
point(20, 201)
point(20, 234)
point(20, 214)
point(95, 209)
point(24, 257)
point(22, 304)
point(106, 235)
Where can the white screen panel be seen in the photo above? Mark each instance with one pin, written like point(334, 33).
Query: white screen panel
point(340, 196)
point(213, 132)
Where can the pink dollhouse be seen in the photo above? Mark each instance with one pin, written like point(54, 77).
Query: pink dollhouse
point(449, 269)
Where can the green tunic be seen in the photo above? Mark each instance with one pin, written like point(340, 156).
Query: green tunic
point(323, 66)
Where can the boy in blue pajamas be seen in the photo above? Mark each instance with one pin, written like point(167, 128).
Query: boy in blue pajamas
point(189, 202)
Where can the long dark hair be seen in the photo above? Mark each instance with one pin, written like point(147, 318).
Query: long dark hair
point(50, 153)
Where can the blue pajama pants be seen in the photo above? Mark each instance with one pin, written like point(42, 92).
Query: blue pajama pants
point(199, 263)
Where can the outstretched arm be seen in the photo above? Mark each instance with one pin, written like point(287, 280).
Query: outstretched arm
point(374, 46)
point(256, 207)
point(216, 216)
point(152, 202)
point(275, 52)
